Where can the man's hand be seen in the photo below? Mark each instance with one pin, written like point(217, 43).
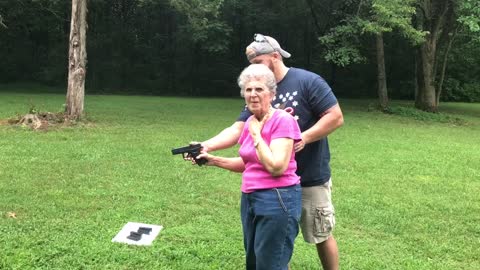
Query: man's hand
point(298, 146)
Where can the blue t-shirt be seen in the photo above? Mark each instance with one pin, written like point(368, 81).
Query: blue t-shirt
point(307, 96)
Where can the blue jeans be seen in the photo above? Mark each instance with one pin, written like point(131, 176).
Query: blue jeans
point(270, 224)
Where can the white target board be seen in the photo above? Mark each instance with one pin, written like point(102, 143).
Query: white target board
point(141, 234)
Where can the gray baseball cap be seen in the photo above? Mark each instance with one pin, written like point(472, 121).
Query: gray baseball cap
point(263, 45)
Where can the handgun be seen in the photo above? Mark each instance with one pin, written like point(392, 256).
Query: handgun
point(193, 150)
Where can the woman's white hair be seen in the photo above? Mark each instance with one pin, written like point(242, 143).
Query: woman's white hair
point(256, 72)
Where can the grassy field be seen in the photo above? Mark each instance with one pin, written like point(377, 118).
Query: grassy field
point(406, 187)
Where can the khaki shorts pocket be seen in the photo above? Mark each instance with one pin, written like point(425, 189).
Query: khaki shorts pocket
point(324, 221)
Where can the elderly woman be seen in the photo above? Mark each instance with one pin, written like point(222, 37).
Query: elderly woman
point(271, 194)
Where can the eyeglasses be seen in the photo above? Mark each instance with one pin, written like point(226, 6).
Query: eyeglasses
point(261, 38)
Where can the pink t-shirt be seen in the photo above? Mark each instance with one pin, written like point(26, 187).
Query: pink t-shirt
point(255, 176)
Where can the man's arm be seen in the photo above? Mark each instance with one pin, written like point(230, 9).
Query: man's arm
point(328, 122)
point(225, 139)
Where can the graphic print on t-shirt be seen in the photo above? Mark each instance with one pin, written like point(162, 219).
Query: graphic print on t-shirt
point(283, 100)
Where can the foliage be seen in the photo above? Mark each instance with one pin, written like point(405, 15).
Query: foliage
point(33, 47)
point(462, 82)
point(458, 91)
point(370, 17)
point(342, 45)
point(470, 16)
point(410, 112)
point(66, 193)
point(390, 15)
point(205, 24)
point(196, 47)
point(472, 92)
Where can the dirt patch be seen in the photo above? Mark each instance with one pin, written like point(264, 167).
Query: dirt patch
point(4, 122)
point(38, 121)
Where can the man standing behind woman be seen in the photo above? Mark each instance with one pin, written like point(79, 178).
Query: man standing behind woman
point(311, 100)
point(271, 194)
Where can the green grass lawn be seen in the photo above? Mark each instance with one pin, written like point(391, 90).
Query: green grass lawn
point(406, 191)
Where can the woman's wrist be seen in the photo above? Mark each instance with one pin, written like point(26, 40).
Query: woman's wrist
point(256, 141)
point(212, 161)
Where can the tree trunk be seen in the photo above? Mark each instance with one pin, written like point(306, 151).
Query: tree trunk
point(432, 16)
point(381, 75)
point(451, 38)
point(425, 99)
point(77, 59)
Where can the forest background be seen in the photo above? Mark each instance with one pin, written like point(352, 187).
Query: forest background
point(196, 47)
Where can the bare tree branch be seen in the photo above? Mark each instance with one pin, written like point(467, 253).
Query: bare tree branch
point(1, 22)
point(359, 7)
point(53, 12)
point(439, 22)
point(314, 16)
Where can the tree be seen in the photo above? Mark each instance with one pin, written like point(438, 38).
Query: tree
point(435, 17)
point(442, 20)
point(77, 60)
point(381, 74)
point(387, 15)
point(372, 18)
